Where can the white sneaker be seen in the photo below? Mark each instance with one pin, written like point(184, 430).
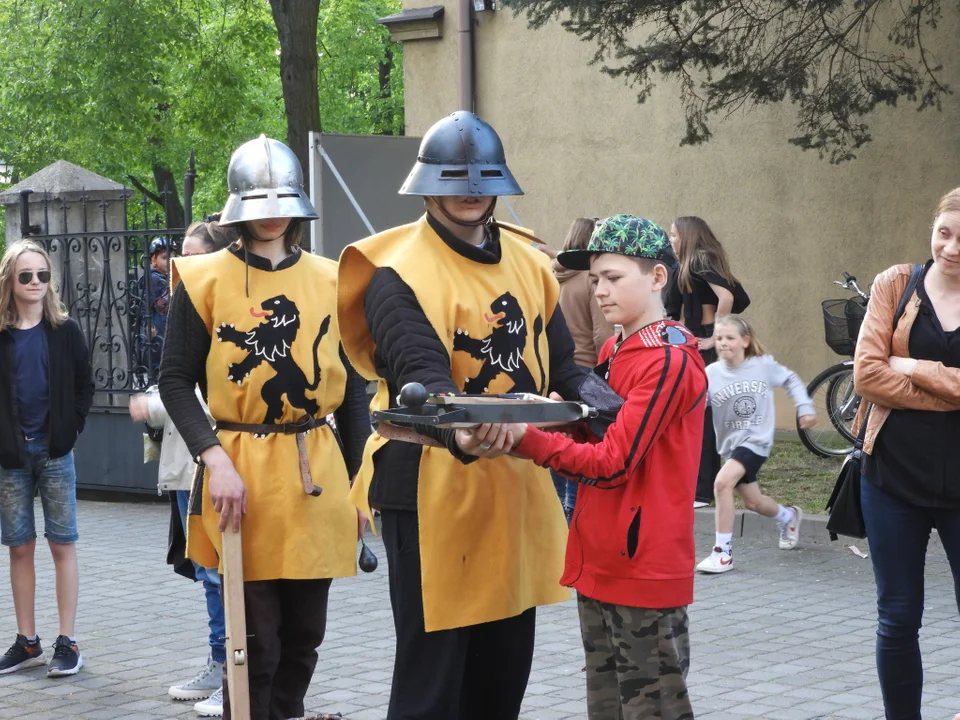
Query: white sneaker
point(790, 533)
point(213, 707)
point(719, 561)
point(205, 684)
point(697, 504)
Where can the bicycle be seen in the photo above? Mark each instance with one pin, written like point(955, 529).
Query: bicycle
point(832, 391)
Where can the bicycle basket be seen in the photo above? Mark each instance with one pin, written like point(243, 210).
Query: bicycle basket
point(842, 320)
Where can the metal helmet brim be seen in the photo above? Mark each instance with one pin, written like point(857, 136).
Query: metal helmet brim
point(265, 181)
point(461, 156)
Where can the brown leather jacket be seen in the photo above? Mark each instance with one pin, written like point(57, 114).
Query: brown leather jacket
point(933, 386)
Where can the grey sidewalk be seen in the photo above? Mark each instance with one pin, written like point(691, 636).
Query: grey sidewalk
point(785, 636)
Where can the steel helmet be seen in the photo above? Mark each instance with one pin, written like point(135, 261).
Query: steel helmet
point(461, 156)
point(265, 181)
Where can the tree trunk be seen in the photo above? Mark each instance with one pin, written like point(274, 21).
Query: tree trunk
point(296, 22)
point(386, 65)
point(167, 190)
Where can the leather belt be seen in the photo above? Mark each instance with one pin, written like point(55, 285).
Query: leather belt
point(300, 428)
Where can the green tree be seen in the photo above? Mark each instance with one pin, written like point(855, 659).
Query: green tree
point(835, 60)
point(128, 89)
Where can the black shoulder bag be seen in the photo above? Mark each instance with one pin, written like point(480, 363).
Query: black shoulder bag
point(846, 513)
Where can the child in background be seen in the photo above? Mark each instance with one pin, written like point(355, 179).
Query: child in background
point(741, 394)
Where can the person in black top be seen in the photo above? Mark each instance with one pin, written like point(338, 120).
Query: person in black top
point(45, 395)
point(703, 289)
point(910, 371)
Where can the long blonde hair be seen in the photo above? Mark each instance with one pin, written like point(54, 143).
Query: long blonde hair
point(53, 311)
point(744, 329)
point(700, 251)
point(578, 236)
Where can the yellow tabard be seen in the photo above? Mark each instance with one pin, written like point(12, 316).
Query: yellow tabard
point(274, 357)
point(492, 534)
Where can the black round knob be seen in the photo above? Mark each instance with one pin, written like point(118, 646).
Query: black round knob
point(413, 395)
point(368, 561)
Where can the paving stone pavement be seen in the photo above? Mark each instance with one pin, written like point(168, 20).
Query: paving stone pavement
point(785, 636)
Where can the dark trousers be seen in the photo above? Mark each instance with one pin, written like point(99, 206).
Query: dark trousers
point(472, 673)
point(709, 459)
point(899, 533)
point(286, 620)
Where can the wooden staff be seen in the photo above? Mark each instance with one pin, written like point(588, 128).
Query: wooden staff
point(236, 626)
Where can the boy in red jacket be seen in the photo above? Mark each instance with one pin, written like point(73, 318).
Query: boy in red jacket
point(630, 553)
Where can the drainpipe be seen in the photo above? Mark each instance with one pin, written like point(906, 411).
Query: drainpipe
point(465, 49)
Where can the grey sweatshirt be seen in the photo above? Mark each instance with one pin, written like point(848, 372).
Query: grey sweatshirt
point(742, 402)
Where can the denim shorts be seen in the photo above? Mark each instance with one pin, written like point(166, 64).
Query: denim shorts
point(56, 480)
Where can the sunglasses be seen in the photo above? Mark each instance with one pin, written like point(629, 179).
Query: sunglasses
point(26, 277)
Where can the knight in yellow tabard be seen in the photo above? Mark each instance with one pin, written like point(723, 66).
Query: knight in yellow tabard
point(256, 326)
point(475, 539)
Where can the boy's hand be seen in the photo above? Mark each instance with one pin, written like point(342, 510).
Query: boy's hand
point(807, 422)
point(706, 343)
point(520, 431)
point(489, 440)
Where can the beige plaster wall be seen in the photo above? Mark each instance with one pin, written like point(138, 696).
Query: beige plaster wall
point(580, 145)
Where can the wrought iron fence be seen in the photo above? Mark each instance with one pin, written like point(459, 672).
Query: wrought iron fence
point(102, 275)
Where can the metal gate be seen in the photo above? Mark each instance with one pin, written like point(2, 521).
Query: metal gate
point(101, 274)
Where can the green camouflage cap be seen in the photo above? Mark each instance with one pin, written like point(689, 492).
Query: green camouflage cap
point(625, 235)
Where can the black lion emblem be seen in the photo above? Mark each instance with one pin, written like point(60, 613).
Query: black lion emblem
point(502, 350)
point(270, 342)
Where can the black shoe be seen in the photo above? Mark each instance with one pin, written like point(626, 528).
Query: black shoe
point(21, 655)
point(66, 658)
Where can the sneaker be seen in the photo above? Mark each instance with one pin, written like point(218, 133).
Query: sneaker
point(206, 683)
point(697, 504)
point(66, 658)
point(21, 655)
point(719, 561)
point(212, 707)
point(790, 533)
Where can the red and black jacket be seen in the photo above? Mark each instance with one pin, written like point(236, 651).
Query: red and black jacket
point(631, 537)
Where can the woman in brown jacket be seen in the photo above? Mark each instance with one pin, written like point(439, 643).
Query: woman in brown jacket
point(910, 372)
point(587, 326)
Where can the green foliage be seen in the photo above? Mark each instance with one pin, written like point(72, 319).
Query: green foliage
point(126, 86)
point(835, 61)
point(354, 55)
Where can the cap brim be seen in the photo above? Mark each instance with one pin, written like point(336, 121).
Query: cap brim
point(576, 259)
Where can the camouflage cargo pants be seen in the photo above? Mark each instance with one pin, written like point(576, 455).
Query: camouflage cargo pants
point(637, 661)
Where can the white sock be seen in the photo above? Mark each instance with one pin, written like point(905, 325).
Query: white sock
point(784, 515)
point(31, 638)
point(725, 541)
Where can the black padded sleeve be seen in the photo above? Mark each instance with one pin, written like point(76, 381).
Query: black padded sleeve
point(565, 374)
point(353, 417)
point(408, 346)
point(183, 366)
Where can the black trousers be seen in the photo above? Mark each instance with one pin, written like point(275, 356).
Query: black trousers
point(286, 621)
point(709, 459)
point(478, 672)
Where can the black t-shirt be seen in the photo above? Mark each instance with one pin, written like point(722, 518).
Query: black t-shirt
point(31, 364)
point(917, 452)
point(689, 305)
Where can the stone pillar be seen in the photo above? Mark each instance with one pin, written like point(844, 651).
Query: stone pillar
point(79, 217)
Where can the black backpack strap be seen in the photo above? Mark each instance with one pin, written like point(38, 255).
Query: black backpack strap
point(908, 291)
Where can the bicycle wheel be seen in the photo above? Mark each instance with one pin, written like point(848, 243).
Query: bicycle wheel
point(836, 403)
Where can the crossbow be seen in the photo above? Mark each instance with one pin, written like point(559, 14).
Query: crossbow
point(418, 407)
